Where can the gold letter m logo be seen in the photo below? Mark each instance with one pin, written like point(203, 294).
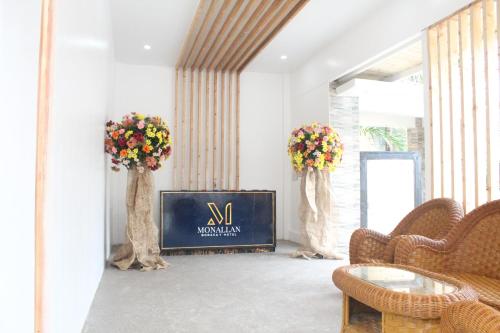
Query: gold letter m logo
point(218, 216)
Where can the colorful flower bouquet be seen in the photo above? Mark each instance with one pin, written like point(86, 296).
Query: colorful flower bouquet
point(315, 147)
point(138, 141)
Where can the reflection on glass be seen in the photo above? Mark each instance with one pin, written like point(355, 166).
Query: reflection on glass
point(401, 280)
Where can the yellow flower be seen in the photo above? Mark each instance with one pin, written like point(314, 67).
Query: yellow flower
point(324, 146)
point(128, 134)
point(150, 133)
point(139, 116)
point(148, 142)
point(132, 154)
point(160, 137)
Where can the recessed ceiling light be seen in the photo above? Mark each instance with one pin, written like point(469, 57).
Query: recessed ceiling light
point(147, 47)
point(284, 57)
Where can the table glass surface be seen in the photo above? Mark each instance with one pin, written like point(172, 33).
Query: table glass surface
point(401, 280)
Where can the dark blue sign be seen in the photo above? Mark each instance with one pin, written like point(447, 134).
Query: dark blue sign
point(196, 220)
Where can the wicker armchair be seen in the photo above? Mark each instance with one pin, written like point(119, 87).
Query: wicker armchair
point(433, 219)
point(470, 253)
point(470, 317)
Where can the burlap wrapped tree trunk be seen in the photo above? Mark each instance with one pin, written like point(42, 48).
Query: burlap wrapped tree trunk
point(141, 247)
point(317, 230)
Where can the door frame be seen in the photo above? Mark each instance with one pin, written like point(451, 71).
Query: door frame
point(365, 156)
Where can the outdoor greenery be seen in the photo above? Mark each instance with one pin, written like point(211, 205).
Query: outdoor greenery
point(394, 138)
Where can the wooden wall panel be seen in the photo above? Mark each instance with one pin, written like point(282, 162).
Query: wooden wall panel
point(224, 36)
point(464, 89)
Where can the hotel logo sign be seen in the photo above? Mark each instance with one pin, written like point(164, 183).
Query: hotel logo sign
point(218, 225)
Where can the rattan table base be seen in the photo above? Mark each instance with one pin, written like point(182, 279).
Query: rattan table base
point(371, 321)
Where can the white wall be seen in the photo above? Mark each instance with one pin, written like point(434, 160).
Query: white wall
point(263, 143)
point(75, 199)
point(149, 90)
point(380, 33)
point(19, 44)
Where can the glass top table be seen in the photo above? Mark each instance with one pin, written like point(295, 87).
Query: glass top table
point(401, 280)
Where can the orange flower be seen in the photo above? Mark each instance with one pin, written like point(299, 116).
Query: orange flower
point(115, 134)
point(147, 149)
point(123, 153)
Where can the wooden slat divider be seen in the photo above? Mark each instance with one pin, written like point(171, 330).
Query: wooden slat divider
point(223, 38)
point(205, 21)
point(207, 126)
point(461, 18)
point(241, 36)
point(262, 31)
point(191, 128)
point(475, 37)
point(470, 75)
point(42, 132)
point(237, 184)
point(222, 127)
point(450, 104)
point(176, 117)
point(198, 132)
point(431, 49)
point(183, 126)
point(229, 129)
point(272, 34)
point(258, 30)
point(212, 35)
point(228, 28)
point(214, 139)
point(485, 6)
point(441, 131)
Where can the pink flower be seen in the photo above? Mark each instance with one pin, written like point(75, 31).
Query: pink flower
point(121, 131)
point(140, 125)
point(132, 143)
point(114, 150)
point(150, 161)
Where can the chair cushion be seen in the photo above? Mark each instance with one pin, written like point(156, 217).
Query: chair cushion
point(488, 288)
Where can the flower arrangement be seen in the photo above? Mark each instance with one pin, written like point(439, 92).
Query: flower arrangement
point(138, 141)
point(315, 147)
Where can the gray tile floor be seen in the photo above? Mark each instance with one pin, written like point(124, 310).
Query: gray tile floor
point(261, 292)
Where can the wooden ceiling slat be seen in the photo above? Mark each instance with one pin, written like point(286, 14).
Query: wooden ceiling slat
point(231, 20)
point(205, 21)
point(195, 24)
point(228, 34)
point(238, 34)
point(257, 30)
point(239, 57)
point(273, 33)
point(219, 20)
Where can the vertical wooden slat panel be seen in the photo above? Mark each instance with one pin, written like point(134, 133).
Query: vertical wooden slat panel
point(433, 94)
point(191, 129)
point(441, 132)
point(475, 39)
point(229, 134)
point(222, 127)
point(461, 37)
point(455, 106)
point(176, 134)
point(198, 132)
point(486, 7)
point(207, 126)
point(237, 131)
point(183, 126)
point(214, 152)
point(450, 104)
point(42, 131)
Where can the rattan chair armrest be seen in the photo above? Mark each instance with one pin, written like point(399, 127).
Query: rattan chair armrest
point(420, 251)
point(367, 243)
point(470, 317)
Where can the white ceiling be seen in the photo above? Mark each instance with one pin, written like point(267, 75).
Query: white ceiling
point(164, 23)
